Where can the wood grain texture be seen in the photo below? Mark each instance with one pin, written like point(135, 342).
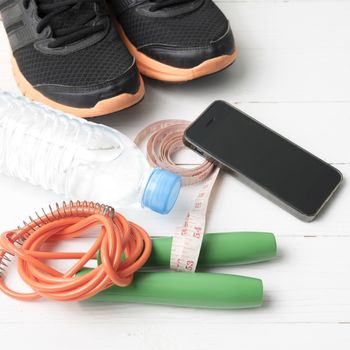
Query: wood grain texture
point(292, 74)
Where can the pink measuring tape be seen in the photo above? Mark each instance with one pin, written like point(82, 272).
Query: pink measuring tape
point(164, 139)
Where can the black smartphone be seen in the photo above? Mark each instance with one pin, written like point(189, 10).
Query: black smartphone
point(281, 170)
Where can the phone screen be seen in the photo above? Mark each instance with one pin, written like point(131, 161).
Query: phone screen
point(276, 165)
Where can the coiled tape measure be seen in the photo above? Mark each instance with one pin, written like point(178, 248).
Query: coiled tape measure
point(164, 139)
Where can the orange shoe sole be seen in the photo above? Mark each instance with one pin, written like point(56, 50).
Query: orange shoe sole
point(103, 107)
point(160, 71)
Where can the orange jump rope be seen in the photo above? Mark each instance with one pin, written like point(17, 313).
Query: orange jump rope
point(122, 248)
point(118, 237)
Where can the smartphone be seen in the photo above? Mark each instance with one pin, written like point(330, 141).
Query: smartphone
point(278, 168)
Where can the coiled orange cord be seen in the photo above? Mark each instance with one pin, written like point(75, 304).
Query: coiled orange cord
point(124, 248)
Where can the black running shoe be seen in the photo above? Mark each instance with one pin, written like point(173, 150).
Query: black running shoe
point(67, 54)
point(175, 40)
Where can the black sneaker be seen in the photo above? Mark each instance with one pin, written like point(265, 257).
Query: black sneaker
point(175, 40)
point(67, 54)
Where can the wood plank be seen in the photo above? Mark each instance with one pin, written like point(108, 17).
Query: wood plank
point(307, 283)
point(288, 51)
point(181, 335)
point(233, 207)
point(319, 129)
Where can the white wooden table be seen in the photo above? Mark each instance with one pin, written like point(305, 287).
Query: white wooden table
point(293, 74)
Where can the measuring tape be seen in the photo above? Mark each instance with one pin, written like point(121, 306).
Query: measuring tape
point(164, 139)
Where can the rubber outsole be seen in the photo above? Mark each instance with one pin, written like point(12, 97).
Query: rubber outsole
point(160, 71)
point(103, 107)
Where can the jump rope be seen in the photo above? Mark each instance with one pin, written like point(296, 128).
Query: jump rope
point(126, 255)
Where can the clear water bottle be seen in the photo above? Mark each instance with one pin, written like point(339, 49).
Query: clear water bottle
point(79, 159)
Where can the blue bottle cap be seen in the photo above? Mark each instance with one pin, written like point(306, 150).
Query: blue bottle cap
point(161, 191)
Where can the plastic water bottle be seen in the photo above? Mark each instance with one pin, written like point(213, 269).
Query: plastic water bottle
point(79, 159)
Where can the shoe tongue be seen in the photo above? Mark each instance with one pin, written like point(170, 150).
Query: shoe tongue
point(82, 12)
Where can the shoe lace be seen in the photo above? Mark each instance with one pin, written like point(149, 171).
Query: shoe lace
point(53, 14)
point(160, 4)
